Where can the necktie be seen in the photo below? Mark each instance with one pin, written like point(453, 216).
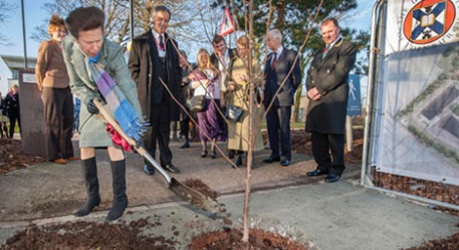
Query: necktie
point(161, 43)
point(273, 60)
point(326, 50)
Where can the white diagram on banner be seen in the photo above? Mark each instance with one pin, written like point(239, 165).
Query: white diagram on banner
point(352, 90)
point(420, 125)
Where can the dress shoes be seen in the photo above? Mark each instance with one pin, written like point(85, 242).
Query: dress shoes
point(59, 161)
point(238, 161)
point(148, 170)
point(285, 163)
point(231, 154)
point(185, 145)
point(271, 159)
point(317, 172)
point(171, 168)
point(332, 178)
point(73, 158)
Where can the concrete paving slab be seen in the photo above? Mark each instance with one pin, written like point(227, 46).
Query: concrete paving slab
point(340, 215)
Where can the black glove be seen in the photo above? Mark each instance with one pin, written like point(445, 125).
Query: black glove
point(92, 107)
point(138, 144)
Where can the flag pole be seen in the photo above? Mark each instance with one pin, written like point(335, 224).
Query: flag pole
point(24, 35)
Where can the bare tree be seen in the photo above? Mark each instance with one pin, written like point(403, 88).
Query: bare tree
point(184, 26)
point(5, 8)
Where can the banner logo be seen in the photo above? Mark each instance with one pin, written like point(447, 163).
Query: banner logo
point(428, 21)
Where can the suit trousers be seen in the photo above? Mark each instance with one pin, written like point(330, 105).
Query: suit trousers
point(278, 123)
point(159, 132)
point(58, 108)
point(322, 146)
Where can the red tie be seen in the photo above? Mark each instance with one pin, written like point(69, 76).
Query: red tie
point(273, 60)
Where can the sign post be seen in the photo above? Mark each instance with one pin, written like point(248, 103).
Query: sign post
point(354, 107)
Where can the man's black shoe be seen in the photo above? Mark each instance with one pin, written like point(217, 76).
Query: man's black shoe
point(171, 168)
point(148, 170)
point(185, 145)
point(271, 159)
point(332, 178)
point(317, 172)
point(231, 154)
point(285, 163)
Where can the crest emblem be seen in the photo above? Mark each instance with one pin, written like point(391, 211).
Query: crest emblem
point(429, 21)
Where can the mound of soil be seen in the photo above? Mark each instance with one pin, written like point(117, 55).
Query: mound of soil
point(88, 235)
point(12, 158)
point(231, 239)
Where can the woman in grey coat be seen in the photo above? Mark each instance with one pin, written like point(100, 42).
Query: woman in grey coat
point(86, 45)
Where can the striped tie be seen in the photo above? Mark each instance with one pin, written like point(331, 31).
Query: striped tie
point(273, 60)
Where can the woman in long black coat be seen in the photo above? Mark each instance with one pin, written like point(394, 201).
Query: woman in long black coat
point(12, 108)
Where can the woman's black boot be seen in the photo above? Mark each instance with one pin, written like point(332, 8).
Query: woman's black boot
point(89, 168)
point(120, 200)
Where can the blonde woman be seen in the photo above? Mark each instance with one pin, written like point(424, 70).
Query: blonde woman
point(205, 81)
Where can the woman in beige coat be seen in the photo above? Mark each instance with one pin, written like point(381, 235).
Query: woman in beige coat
point(238, 95)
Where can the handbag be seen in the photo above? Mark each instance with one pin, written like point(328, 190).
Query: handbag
point(198, 103)
point(233, 113)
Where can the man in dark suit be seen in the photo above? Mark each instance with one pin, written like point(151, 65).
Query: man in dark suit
point(280, 86)
point(223, 59)
point(154, 61)
point(328, 92)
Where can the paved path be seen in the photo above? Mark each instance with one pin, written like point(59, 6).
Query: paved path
point(333, 216)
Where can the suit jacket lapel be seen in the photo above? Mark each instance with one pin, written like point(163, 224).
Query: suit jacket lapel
point(333, 50)
point(80, 67)
point(152, 49)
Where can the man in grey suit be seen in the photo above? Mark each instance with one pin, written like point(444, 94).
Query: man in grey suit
point(154, 60)
point(278, 76)
point(328, 93)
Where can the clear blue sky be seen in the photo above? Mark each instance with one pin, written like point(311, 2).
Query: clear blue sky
point(35, 14)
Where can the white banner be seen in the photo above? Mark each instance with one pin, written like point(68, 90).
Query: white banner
point(413, 24)
point(419, 134)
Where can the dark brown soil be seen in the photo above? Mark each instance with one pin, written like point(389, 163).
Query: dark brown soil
point(88, 235)
point(422, 188)
point(450, 243)
point(231, 240)
point(201, 187)
point(12, 158)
